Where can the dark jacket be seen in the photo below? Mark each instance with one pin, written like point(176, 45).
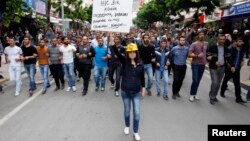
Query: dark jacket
point(132, 77)
point(86, 50)
point(233, 58)
point(158, 55)
point(114, 60)
point(146, 53)
point(213, 51)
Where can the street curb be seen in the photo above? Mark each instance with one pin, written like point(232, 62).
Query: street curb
point(2, 81)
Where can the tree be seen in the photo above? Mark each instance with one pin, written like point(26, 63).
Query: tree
point(89, 11)
point(177, 6)
point(151, 12)
point(13, 11)
point(161, 10)
point(73, 9)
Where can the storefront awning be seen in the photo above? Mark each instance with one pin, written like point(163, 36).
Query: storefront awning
point(237, 11)
point(235, 17)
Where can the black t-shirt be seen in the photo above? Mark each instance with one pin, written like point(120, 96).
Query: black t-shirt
point(29, 51)
point(146, 53)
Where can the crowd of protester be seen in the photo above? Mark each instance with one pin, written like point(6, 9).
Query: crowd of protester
point(127, 59)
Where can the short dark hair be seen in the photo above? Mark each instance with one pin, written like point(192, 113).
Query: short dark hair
point(79, 37)
point(63, 38)
point(164, 40)
point(221, 35)
point(239, 38)
point(27, 37)
point(201, 31)
point(43, 39)
point(119, 37)
point(12, 38)
point(145, 35)
point(182, 37)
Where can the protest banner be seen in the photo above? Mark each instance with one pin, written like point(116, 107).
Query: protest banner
point(112, 15)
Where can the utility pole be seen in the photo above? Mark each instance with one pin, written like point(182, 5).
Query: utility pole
point(63, 21)
point(48, 12)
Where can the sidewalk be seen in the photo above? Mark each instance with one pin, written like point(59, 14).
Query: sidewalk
point(4, 71)
point(245, 75)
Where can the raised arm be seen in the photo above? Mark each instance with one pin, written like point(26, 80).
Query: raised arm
point(119, 55)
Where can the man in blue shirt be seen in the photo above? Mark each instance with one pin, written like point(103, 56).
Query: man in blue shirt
point(101, 64)
point(179, 56)
point(162, 68)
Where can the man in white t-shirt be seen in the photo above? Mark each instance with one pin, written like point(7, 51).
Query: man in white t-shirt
point(13, 56)
point(94, 42)
point(67, 60)
point(105, 39)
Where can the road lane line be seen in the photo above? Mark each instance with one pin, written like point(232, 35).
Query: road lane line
point(20, 107)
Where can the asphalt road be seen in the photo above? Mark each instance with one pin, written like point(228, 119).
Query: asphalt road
point(68, 116)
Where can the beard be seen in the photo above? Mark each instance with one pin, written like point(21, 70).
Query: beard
point(181, 44)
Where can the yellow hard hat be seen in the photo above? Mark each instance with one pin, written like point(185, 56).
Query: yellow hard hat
point(131, 47)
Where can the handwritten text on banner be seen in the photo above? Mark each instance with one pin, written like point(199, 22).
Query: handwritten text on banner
point(112, 15)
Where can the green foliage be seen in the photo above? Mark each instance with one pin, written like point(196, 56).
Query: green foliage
point(161, 10)
point(42, 22)
point(74, 10)
point(89, 11)
point(178, 6)
point(14, 11)
point(151, 12)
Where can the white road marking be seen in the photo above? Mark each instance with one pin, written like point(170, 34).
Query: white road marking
point(20, 107)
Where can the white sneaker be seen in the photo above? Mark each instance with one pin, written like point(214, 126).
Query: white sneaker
point(126, 130)
point(74, 88)
point(17, 94)
point(116, 93)
point(137, 137)
point(68, 89)
point(102, 89)
point(191, 98)
point(196, 98)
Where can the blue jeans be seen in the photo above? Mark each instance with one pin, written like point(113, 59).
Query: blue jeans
point(69, 72)
point(30, 69)
point(197, 72)
point(149, 71)
point(136, 100)
point(45, 74)
point(100, 76)
point(164, 74)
